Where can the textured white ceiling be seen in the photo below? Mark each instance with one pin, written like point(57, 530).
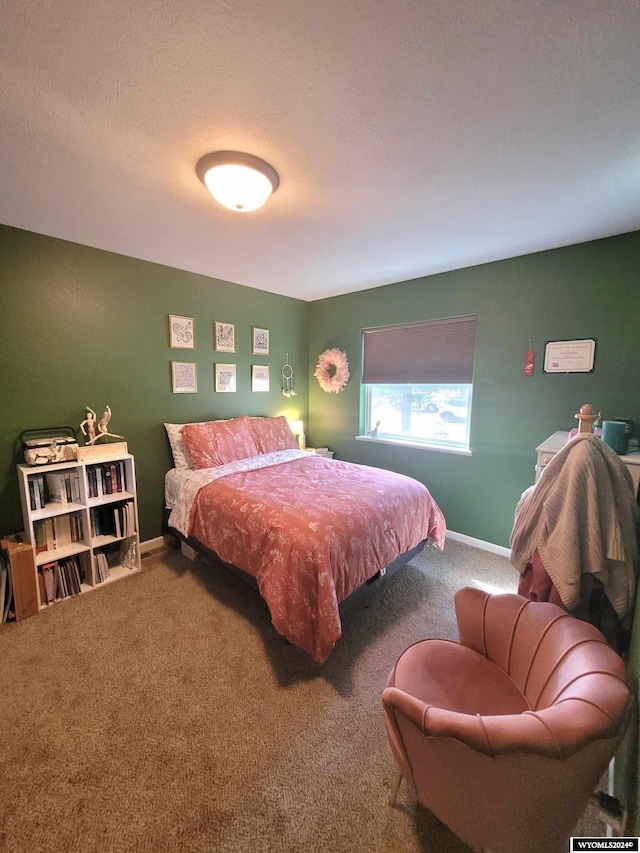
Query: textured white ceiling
point(410, 136)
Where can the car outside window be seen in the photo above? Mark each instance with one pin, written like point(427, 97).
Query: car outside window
point(436, 415)
point(417, 379)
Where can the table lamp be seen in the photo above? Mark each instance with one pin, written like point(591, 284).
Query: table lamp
point(297, 428)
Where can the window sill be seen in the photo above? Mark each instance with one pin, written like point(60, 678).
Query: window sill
point(418, 445)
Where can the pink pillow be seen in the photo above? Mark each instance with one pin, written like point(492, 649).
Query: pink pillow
point(272, 434)
point(218, 442)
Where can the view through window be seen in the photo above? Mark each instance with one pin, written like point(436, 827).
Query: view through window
point(431, 414)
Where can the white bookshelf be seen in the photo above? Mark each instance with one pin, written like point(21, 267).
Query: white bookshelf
point(122, 551)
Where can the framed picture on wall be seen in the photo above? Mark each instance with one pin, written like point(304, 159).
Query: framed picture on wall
point(184, 377)
point(259, 377)
point(577, 356)
point(259, 341)
point(181, 332)
point(225, 377)
point(224, 337)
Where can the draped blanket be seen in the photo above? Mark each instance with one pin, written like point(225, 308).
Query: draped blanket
point(582, 517)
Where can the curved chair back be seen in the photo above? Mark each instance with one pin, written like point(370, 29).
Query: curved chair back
point(505, 735)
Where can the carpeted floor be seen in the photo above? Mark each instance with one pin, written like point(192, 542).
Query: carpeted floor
point(163, 713)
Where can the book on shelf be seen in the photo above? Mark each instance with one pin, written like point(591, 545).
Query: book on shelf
point(117, 520)
point(72, 577)
point(48, 571)
point(92, 483)
point(61, 579)
point(50, 534)
point(80, 578)
point(57, 488)
point(107, 478)
point(37, 492)
point(102, 565)
point(76, 494)
point(57, 532)
point(63, 531)
point(64, 486)
point(34, 498)
point(43, 592)
point(61, 591)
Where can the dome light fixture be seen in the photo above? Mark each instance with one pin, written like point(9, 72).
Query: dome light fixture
point(238, 181)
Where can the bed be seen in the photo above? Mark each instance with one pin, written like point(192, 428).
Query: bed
point(310, 530)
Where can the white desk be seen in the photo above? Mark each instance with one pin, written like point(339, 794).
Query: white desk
point(548, 449)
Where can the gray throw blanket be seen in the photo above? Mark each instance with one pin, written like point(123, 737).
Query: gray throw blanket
point(582, 517)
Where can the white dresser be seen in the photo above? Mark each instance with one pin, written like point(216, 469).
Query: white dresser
point(557, 441)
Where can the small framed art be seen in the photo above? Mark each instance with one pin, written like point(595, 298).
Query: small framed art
point(224, 337)
point(259, 377)
point(259, 341)
point(184, 377)
point(225, 377)
point(181, 332)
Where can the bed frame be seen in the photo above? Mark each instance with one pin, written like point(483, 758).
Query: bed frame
point(191, 548)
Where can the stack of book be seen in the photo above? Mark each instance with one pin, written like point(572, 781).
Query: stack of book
point(64, 487)
point(57, 532)
point(60, 579)
point(322, 451)
point(58, 487)
point(37, 496)
point(102, 565)
point(106, 479)
point(113, 520)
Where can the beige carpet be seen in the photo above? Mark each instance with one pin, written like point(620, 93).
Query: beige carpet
point(163, 713)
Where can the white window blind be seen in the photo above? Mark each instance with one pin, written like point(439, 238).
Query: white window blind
point(430, 352)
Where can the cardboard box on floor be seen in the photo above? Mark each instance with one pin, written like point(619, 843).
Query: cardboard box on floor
point(24, 579)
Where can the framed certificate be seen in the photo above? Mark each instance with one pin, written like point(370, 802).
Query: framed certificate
point(569, 356)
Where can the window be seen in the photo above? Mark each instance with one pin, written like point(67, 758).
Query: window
point(418, 382)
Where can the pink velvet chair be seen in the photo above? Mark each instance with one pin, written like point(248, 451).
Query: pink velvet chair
point(505, 735)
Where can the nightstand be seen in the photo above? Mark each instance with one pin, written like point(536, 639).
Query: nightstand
point(322, 451)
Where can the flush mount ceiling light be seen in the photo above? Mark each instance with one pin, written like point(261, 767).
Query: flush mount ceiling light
point(236, 180)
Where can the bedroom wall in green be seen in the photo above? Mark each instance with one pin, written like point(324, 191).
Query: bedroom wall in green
point(587, 290)
point(80, 326)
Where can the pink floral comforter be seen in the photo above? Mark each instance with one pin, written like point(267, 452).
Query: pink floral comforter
point(310, 530)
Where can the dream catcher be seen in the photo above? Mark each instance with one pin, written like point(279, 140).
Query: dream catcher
point(287, 380)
